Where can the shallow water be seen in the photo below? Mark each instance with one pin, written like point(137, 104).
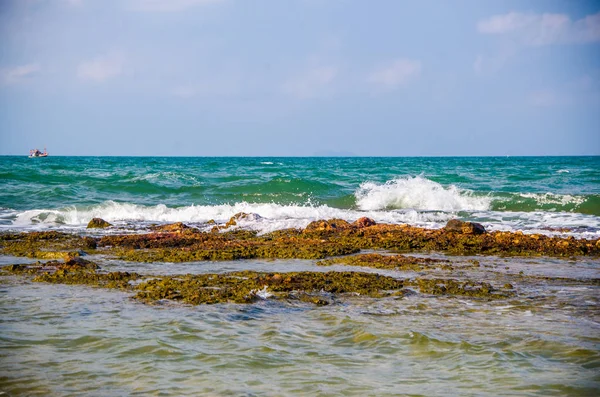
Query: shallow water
point(76, 340)
point(62, 340)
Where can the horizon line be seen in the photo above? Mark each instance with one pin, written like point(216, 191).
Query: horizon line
point(314, 156)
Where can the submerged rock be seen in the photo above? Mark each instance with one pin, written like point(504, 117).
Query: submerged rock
point(98, 223)
point(396, 262)
point(249, 286)
point(77, 262)
point(455, 225)
point(89, 242)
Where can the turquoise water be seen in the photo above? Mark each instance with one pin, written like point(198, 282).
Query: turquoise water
point(70, 340)
point(537, 194)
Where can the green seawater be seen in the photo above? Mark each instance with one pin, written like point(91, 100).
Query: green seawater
point(72, 340)
point(509, 193)
point(66, 340)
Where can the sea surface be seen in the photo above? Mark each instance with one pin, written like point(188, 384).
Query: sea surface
point(534, 194)
point(59, 340)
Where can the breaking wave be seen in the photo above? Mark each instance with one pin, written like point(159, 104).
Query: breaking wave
point(270, 217)
point(417, 193)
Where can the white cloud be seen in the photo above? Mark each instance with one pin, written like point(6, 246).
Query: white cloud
point(168, 5)
point(542, 29)
point(397, 73)
point(19, 73)
point(311, 84)
point(101, 68)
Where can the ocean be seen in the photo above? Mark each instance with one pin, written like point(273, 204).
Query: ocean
point(532, 194)
point(76, 340)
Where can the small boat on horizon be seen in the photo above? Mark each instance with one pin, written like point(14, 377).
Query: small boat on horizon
point(37, 153)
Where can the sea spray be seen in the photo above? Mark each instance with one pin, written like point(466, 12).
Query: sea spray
point(417, 193)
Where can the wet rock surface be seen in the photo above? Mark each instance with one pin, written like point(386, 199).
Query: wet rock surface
point(458, 226)
point(320, 239)
point(394, 262)
point(178, 227)
point(328, 243)
point(364, 222)
point(320, 288)
point(98, 223)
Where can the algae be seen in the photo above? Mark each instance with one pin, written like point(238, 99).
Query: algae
point(321, 239)
point(392, 262)
point(98, 223)
point(249, 286)
point(329, 241)
point(437, 286)
point(46, 245)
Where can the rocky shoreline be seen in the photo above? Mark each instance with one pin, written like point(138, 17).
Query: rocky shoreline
point(326, 242)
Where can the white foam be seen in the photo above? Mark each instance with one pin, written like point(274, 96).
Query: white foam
point(269, 217)
point(540, 222)
point(166, 177)
point(262, 293)
point(417, 193)
point(554, 199)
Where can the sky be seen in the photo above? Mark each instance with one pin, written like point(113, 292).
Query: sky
point(300, 77)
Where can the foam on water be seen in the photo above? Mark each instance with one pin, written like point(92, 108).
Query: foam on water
point(269, 217)
point(166, 177)
point(417, 193)
point(541, 222)
point(554, 199)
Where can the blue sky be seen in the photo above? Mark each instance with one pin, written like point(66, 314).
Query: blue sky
point(300, 77)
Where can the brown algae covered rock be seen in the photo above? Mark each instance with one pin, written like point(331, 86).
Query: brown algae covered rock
point(240, 216)
point(455, 225)
point(319, 240)
point(74, 271)
point(249, 286)
point(98, 223)
point(330, 225)
point(477, 289)
point(392, 262)
point(45, 245)
point(364, 222)
point(237, 287)
point(178, 227)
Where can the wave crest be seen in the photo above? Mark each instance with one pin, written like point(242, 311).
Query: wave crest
point(417, 193)
point(270, 217)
